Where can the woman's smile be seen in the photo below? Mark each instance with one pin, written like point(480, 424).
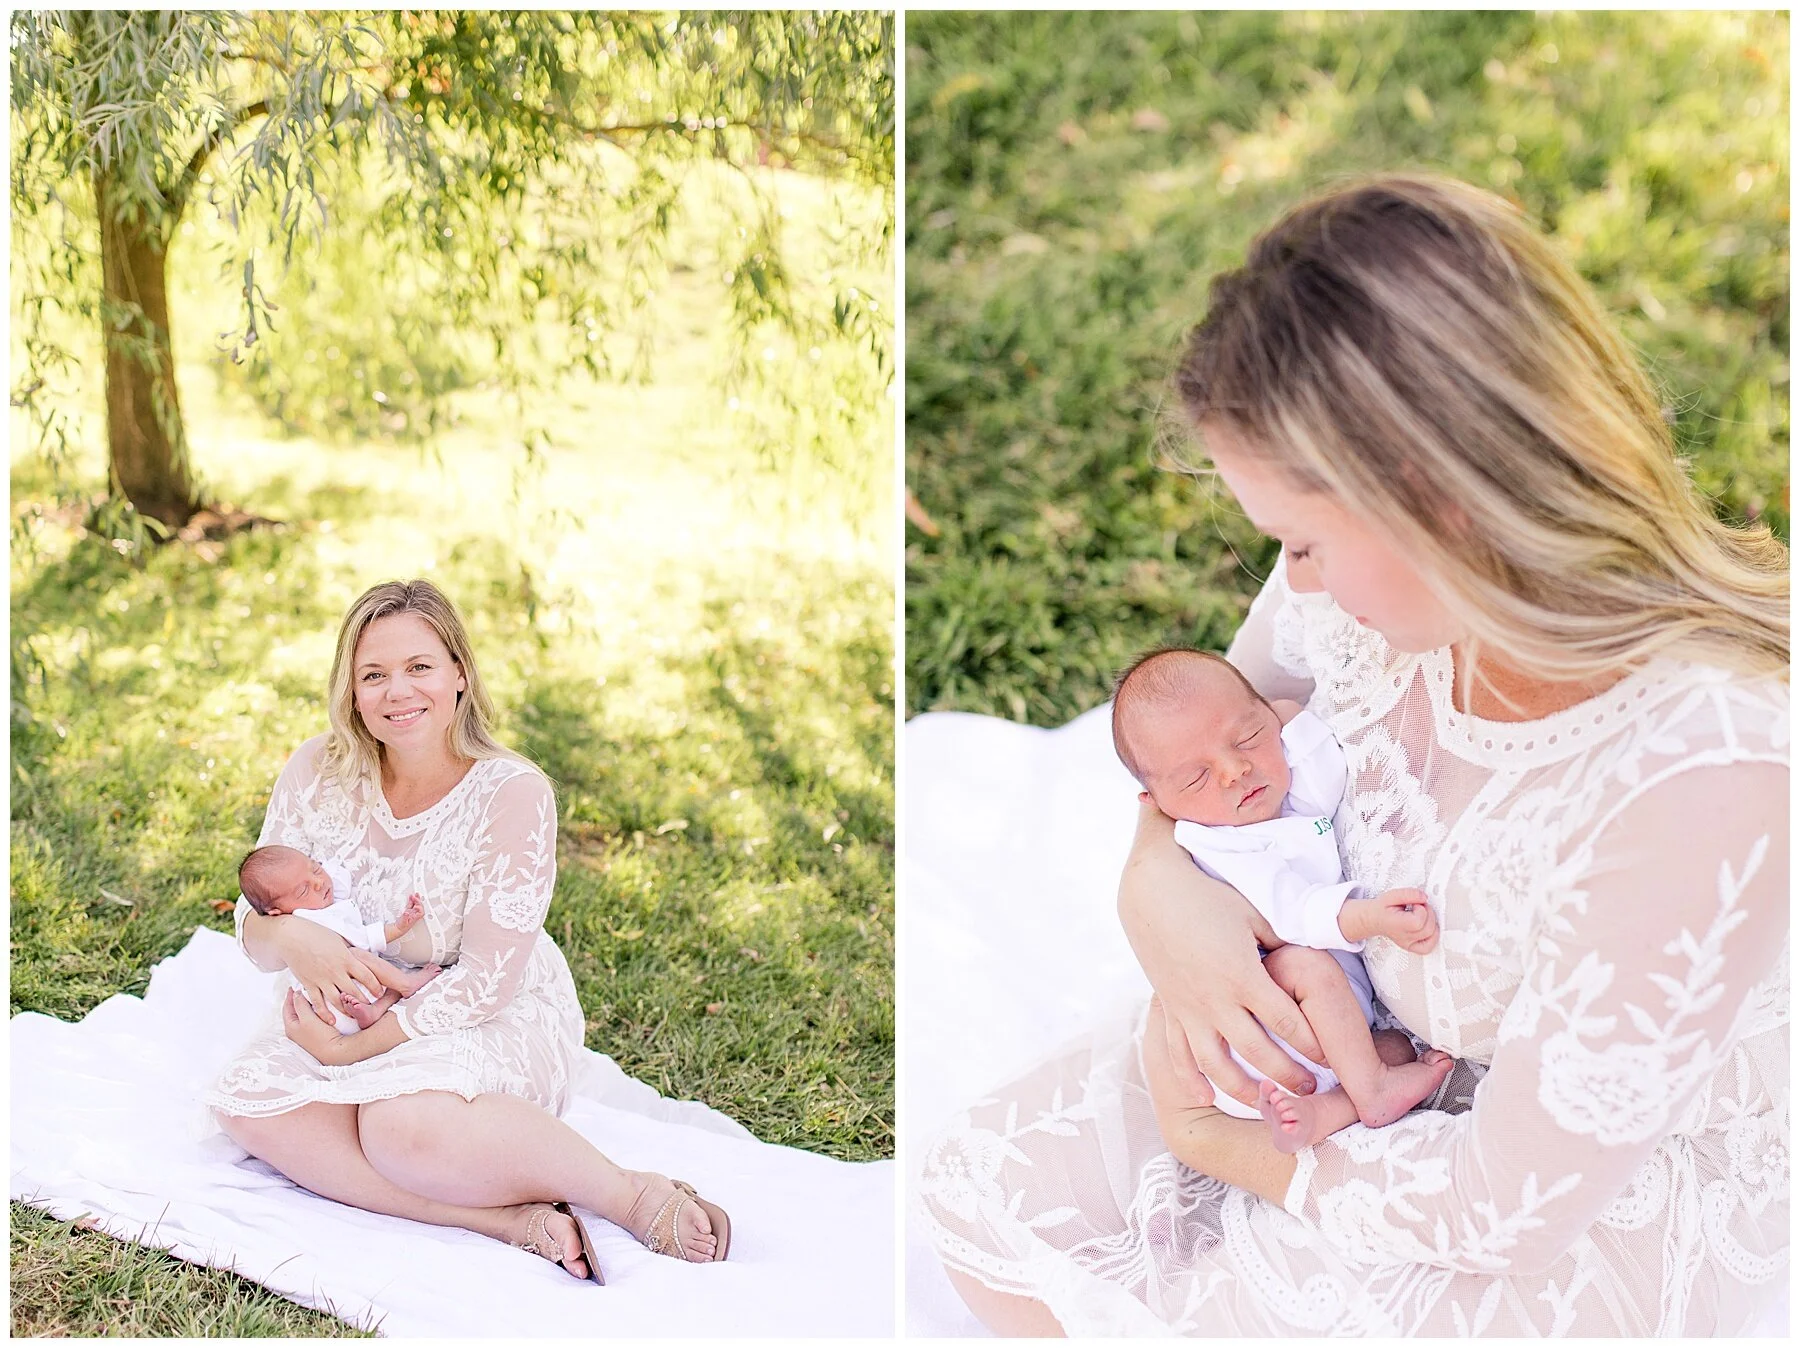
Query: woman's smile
point(405, 680)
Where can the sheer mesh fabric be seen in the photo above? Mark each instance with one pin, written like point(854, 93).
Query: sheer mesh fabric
point(1609, 1156)
point(503, 1016)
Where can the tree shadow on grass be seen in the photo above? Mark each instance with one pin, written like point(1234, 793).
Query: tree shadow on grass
point(131, 797)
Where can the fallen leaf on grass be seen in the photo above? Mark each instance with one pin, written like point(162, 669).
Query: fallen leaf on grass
point(1149, 119)
point(223, 905)
point(713, 1008)
point(920, 520)
point(119, 899)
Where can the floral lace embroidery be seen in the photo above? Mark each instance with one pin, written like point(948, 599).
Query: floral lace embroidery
point(503, 1015)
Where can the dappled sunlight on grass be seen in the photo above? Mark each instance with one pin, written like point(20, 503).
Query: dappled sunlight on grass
point(1076, 179)
point(697, 649)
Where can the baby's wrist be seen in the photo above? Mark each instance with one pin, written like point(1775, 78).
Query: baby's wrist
point(1354, 919)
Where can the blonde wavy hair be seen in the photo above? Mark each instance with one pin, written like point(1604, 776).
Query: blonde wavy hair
point(1412, 346)
point(351, 753)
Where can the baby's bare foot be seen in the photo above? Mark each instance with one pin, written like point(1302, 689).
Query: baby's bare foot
point(364, 1013)
point(1398, 1089)
point(1295, 1121)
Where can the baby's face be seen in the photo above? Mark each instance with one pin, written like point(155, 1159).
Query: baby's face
point(297, 881)
point(1214, 759)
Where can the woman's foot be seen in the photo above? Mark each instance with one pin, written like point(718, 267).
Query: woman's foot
point(668, 1221)
point(538, 1228)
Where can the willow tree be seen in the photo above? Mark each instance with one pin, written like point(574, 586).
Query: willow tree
point(526, 165)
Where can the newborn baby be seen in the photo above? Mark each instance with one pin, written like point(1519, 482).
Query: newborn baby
point(1253, 786)
point(283, 881)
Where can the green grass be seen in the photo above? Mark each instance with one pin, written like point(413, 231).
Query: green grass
point(1073, 180)
point(70, 1281)
point(694, 644)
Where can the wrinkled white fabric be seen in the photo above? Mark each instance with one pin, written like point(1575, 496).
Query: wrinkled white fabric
point(503, 1016)
point(104, 1123)
point(1611, 886)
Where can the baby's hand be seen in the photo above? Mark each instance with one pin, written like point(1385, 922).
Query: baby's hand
point(410, 915)
point(1406, 919)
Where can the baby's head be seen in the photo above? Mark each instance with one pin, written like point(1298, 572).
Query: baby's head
point(1199, 739)
point(280, 879)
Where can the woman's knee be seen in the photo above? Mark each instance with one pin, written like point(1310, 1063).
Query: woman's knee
point(250, 1134)
point(408, 1130)
point(278, 1138)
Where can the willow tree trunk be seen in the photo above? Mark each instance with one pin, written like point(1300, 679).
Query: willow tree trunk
point(144, 432)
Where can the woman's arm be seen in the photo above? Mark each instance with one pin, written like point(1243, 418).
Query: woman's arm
point(334, 1049)
point(509, 893)
point(1206, 1139)
point(1636, 988)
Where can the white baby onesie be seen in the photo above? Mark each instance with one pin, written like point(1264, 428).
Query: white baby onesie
point(343, 917)
point(1290, 871)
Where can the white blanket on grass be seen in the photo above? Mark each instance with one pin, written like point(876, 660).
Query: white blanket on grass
point(104, 1122)
point(1012, 844)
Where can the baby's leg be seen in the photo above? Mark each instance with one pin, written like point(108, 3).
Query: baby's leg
point(1374, 1090)
point(396, 983)
point(405, 982)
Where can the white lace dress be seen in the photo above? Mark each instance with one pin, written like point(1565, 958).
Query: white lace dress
point(503, 1016)
point(1610, 1157)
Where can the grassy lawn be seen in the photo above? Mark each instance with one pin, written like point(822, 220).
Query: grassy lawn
point(1074, 180)
point(695, 644)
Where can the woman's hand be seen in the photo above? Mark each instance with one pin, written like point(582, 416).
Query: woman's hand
point(327, 1045)
point(1202, 1137)
point(322, 1041)
point(323, 963)
point(1197, 942)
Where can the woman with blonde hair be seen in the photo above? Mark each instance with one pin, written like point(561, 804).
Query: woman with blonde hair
point(445, 1109)
point(1561, 686)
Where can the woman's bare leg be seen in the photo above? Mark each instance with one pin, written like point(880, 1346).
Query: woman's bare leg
point(498, 1150)
point(317, 1147)
point(1009, 1316)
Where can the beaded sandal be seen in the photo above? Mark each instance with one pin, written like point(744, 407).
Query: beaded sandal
point(538, 1241)
point(664, 1235)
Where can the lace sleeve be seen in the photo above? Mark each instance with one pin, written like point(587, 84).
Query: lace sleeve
point(509, 893)
point(1638, 982)
point(1267, 647)
point(284, 820)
